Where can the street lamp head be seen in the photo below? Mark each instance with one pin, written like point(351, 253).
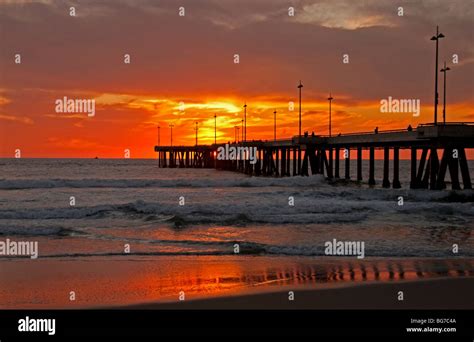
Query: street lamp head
point(440, 35)
point(434, 38)
point(300, 85)
point(330, 98)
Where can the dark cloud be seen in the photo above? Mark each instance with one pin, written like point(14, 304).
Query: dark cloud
point(194, 54)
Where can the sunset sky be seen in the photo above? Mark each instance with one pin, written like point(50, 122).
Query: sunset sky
point(190, 59)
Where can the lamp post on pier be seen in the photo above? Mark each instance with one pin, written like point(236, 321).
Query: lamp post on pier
point(245, 122)
point(158, 135)
point(299, 87)
point(444, 71)
point(215, 129)
point(330, 98)
point(196, 133)
point(436, 38)
point(275, 125)
point(171, 127)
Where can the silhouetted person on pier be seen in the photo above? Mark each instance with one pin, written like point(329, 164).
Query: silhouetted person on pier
point(339, 135)
point(312, 134)
point(409, 129)
point(376, 130)
point(306, 134)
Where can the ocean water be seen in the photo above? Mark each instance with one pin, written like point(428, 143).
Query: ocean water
point(191, 247)
point(134, 202)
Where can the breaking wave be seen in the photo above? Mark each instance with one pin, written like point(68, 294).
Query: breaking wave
point(18, 184)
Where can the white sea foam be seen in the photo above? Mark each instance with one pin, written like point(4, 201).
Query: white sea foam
point(161, 183)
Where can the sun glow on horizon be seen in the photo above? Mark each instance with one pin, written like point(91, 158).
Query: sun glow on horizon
point(131, 121)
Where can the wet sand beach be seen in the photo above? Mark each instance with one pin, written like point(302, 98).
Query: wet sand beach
point(234, 282)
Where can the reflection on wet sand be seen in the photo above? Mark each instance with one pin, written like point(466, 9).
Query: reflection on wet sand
point(355, 272)
point(114, 282)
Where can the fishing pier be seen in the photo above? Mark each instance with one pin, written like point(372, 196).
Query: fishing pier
point(435, 151)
